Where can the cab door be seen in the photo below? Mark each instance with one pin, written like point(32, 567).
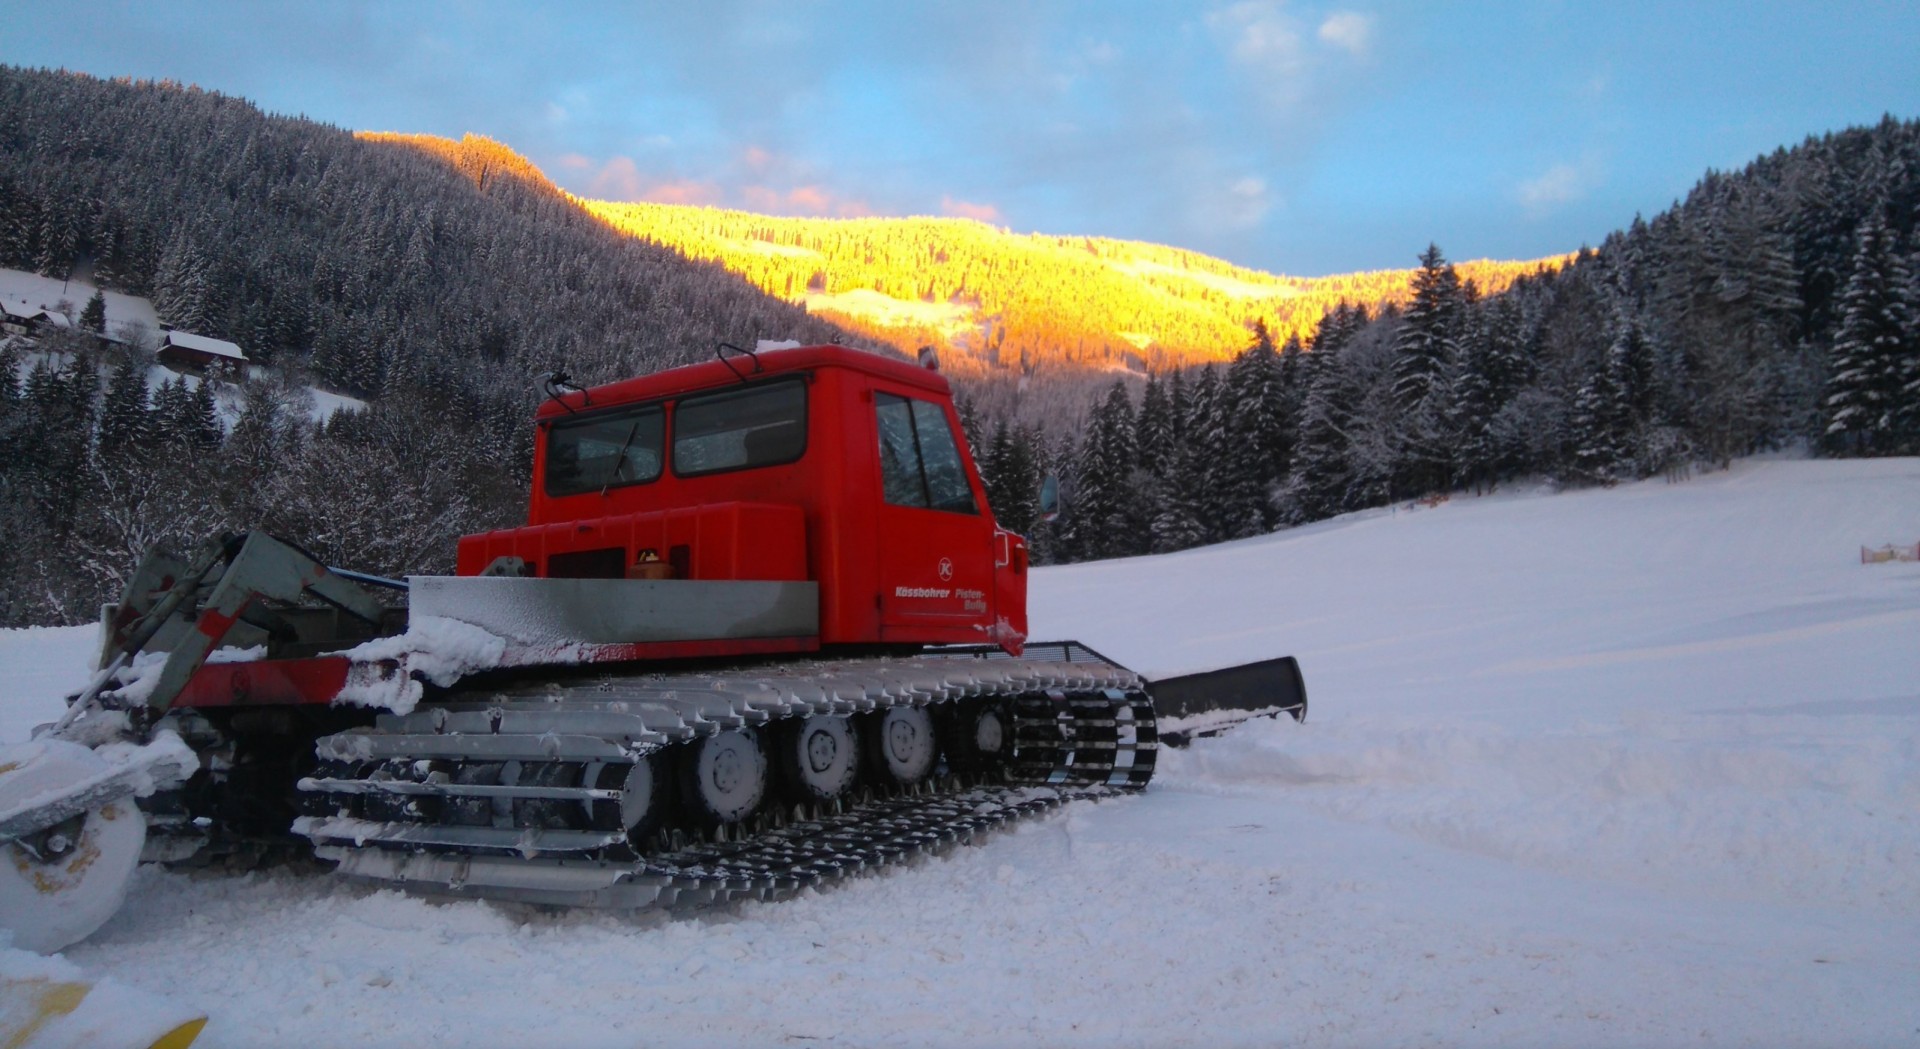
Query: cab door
point(936, 543)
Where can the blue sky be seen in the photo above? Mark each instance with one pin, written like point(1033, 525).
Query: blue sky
point(1304, 138)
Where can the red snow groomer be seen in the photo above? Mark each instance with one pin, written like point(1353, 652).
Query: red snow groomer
point(761, 629)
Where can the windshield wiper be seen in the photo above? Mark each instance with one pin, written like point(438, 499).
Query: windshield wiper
point(621, 459)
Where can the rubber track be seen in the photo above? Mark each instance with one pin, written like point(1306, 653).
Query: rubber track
point(1077, 742)
point(812, 854)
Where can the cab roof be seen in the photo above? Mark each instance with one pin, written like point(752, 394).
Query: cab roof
point(738, 368)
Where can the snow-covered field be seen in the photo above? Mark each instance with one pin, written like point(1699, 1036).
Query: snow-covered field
point(1629, 767)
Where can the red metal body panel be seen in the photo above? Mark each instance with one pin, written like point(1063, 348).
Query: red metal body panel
point(319, 679)
point(887, 573)
point(724, 541)
point(267, 682)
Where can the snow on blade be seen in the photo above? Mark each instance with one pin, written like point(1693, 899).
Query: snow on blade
point(387, 672)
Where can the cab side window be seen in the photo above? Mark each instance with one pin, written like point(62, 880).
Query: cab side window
point(919, 457)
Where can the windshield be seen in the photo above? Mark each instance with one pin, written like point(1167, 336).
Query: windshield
point(597, 452)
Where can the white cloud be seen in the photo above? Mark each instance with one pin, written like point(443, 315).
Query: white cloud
point(1348, 30)
point(1234, 207)
point(1262, 36)
point(1558, 185)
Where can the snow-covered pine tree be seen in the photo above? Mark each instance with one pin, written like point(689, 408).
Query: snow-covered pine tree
point(1204, 431)
point(1020, 480)
point(93, 316)
point(57, 438)
point(1425, 354)
point(1874, 356)
point(1475, 405)
point(1104, 503)
point(12, 415)
point(1317, 484)
point(1254, 423)
point(165, 412)
point(1293, 393)
point(1596, 447)
point(1012, 478)
point(1153, 437)
point(9, 373)
point(126, 426)
point(201, 422)
point(1176, 523)
point(183, 287)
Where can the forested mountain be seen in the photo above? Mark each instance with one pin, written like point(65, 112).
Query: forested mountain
point(438, 285)
point(1021, 302)
point(1774, 306)
point(379, 265)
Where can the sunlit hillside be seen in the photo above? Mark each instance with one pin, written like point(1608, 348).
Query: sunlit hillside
point(1018, 300)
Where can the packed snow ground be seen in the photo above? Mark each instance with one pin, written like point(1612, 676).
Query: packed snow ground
point(1628, 767)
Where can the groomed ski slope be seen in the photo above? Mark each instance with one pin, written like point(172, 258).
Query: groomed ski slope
point(1629, 767)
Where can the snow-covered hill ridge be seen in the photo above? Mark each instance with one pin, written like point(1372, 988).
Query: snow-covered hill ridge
point(1628, 767)
point(1387, 604)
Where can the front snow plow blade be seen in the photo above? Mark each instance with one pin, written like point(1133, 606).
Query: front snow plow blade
point(1213, 701)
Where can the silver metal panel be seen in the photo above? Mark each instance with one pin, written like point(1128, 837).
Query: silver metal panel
point(531, 881)
point(526, 840)
point(620, 611)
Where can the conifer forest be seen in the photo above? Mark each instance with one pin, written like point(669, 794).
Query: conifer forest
point(1774, 307)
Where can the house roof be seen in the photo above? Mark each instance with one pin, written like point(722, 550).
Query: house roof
point(19, 310)
point(204, 344)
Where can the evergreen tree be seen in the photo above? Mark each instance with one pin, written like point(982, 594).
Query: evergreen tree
point(13, 420)
point(1253, 418)
point(1293, 393)
point(183, 288)
point(1476, 404)
point(1600, 414)
point(168, 413)
point(1013, 488)
point(9, 374)
point(1105, 506)
point(125, 425)
point(1876, 352)
point(201, 421)
point(1155, 429)
point(94, 316)
point(56, 438)
point(1424, 357)
point(1203, 431)
point(1320, 482)
point(1175, 523)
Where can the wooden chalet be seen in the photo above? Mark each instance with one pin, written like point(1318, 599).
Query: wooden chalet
point(18, 318)
point(202, 355)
